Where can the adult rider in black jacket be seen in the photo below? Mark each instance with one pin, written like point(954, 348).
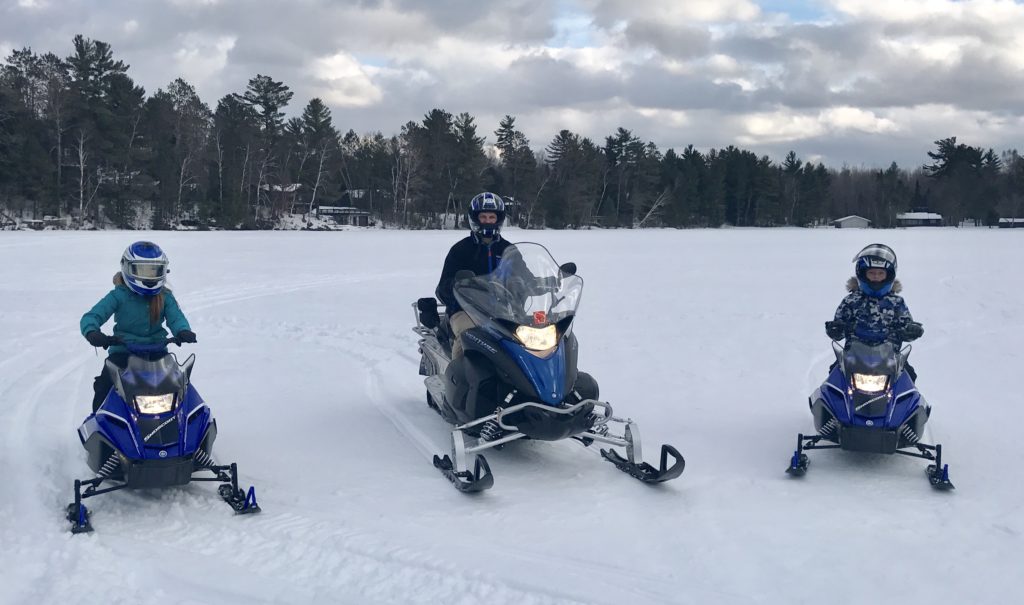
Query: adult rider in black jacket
point(480, 253)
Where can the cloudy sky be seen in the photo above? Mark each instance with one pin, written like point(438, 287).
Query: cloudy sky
point(857, 82)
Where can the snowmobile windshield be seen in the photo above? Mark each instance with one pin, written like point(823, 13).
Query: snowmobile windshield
point(873, 360)
point(152, 377)
point(527, 288)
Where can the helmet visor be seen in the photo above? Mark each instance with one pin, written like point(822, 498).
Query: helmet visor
point(147, 270)
point(877, 256)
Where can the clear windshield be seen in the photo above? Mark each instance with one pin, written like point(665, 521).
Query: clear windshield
point(152, 377)
point(526, 288)
point(879, 359)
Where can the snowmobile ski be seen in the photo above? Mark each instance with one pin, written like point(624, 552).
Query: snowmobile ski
point(644, 471)
point(477, 480)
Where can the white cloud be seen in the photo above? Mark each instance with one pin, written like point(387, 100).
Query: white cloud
point(852, 118)
point(871, 79)
point(344, 81)
point(945, 51)
point(778, 127)
point(194, 3)
point(671, 118)
point(785, 125)
point(675, 12)
point(203, 56)
point(916, 11)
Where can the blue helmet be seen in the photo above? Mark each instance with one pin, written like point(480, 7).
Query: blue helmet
point(144, 268)
point(486, 202)
point(876, 256)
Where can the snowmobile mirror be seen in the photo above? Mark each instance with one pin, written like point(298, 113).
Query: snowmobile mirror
point(568, 269)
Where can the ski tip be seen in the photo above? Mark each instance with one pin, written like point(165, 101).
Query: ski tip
point(939, 479)
point(78, 515)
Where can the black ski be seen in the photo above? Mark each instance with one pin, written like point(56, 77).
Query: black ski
point(467, 482)
point(644, 471)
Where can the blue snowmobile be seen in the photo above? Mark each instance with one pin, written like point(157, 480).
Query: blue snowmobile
point(869, 403)
point(518, 377)
point(152, 431)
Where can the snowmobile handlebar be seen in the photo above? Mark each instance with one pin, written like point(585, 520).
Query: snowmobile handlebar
point(155, 347)
point(838, 330)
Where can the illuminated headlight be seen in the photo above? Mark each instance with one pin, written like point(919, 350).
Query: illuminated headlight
point(155, 404)
point(537, 339)
point(869, 383)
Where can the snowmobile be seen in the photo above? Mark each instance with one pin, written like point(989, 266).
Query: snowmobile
point(152, 431)
point(518, 378)
point(869, 403)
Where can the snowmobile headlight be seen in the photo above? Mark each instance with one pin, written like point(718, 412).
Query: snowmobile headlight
point(155, 404)
point(538, 339)
point(869, 383)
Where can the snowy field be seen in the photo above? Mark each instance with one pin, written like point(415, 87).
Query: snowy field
point(710, 340)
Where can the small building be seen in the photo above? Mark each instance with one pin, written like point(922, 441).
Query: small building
point(919, 219)
point(851, 222)
point(345, 215)
point(1011, 223)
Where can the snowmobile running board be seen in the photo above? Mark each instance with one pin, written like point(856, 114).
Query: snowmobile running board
point(938, 473)
point(456, 466)
point(243, 502)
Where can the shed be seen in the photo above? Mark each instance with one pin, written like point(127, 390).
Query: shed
point(851, 222)
point(919, 219)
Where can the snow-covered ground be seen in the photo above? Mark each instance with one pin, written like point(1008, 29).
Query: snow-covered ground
point(711, 340)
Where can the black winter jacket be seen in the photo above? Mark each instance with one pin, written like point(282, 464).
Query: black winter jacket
point(467, 255)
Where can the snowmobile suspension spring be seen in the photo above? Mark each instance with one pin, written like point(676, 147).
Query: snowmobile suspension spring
point(202, 458)
point(108, 467)
point(828, 428)
point(910, 435)
point(490, 431)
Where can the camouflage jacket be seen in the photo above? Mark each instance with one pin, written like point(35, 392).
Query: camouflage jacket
point(874, 319)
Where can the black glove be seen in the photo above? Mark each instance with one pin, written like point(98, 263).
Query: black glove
point(99, 339)
point(911, 331)
point(186, 336)
point(836, 330)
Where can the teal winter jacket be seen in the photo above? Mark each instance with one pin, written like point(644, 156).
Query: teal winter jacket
point(131, 317)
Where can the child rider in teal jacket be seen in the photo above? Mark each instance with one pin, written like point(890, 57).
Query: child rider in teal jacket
point(140, 304)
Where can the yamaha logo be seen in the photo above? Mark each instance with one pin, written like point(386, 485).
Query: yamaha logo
point(163, 453)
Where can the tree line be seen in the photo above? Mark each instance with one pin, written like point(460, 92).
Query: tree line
point(80, 139)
